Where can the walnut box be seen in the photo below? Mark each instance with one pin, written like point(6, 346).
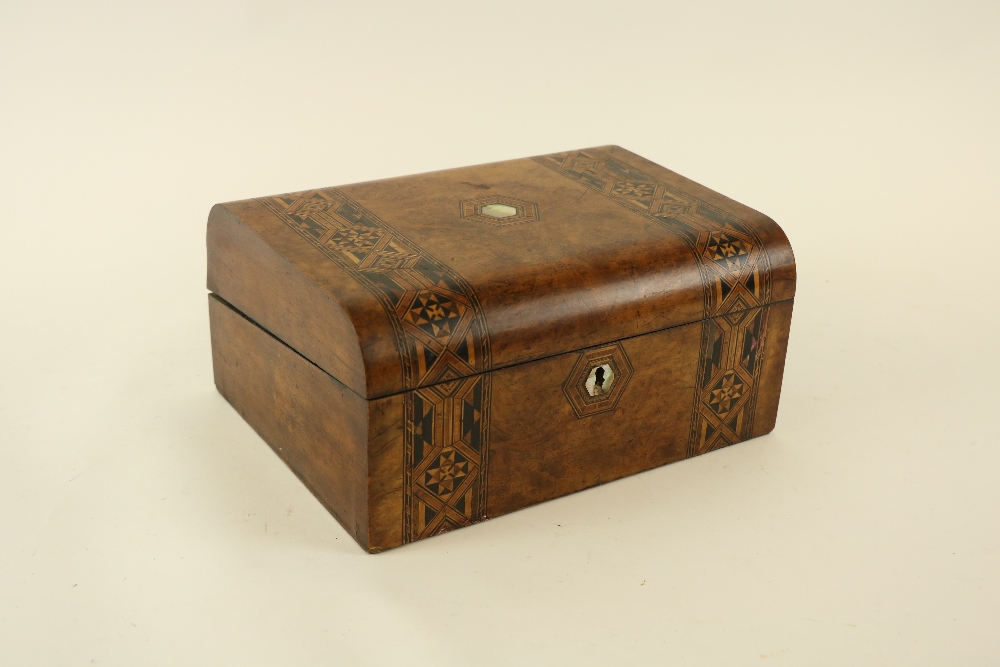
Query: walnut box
point(431, 351)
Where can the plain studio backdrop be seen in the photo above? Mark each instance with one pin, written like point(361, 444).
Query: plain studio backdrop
point(144, 523)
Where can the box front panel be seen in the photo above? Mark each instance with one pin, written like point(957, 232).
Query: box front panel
point(483, 446)
point(438, 458)
point(555, 431)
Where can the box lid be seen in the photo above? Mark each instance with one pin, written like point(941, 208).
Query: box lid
point(407, 282)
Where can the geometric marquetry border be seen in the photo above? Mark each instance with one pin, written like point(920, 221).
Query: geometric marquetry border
point(436, 317)
point(446, 452)
point(729, 374)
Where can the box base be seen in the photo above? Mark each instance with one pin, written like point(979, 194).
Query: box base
point(403, 467)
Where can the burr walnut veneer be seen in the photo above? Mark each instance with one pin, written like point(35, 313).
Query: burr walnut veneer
point(431, 351)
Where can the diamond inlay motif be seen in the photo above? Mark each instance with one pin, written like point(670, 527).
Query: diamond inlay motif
point(634, 190)
point(726, 393)
point(727, 251)
point(355, 238)
point(447, 471)
point(435, 313)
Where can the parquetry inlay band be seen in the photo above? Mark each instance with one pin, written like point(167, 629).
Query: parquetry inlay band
point(447, 438)
point(442, 340)
point(438, 321)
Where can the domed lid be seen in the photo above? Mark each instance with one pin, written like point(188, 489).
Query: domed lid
point(408, 282)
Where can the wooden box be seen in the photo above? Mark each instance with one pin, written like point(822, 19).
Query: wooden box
point(431, 351)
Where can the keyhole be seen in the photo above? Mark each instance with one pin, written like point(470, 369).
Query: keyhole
point(600, 380)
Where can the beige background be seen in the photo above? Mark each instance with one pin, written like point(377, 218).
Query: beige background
point(144, 523)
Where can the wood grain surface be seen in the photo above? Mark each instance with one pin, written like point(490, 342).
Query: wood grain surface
point(313, 422)
point(423, 364)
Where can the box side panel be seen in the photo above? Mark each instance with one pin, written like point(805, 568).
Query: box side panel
point(385, 472)
point(315, 424)
point(249, 273)
point(548, 437)
point(779, 323)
